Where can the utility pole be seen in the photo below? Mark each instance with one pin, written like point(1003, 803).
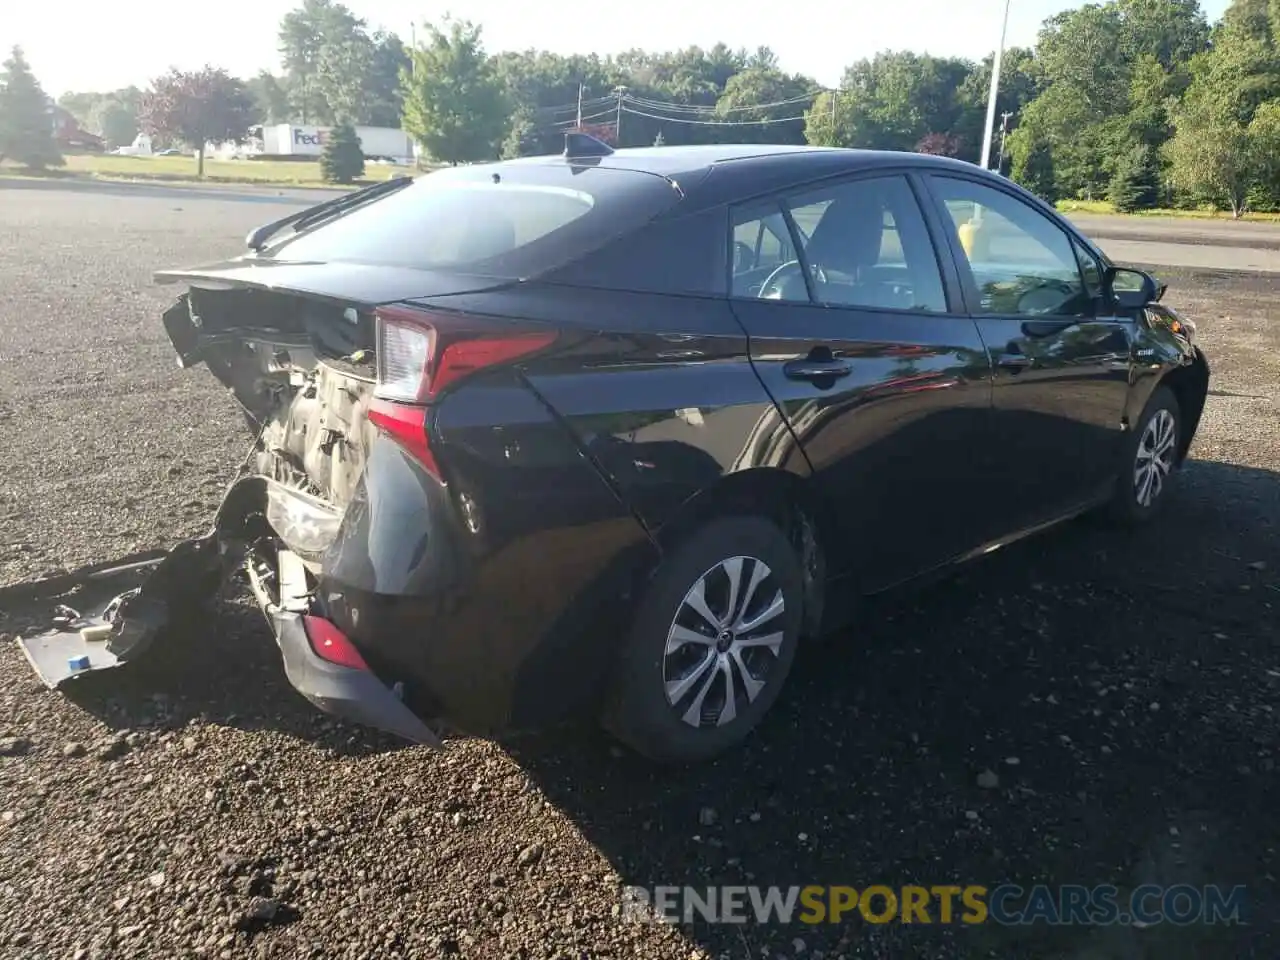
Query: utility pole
point(834, 94)
point(1004, 134)
point(995, 89)
point(579, 106)
point(617, 124)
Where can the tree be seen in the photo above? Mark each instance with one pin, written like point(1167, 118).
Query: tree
point(453, 101)
point(1249, 18)
point(1136, 183)
point(336, 69)
point(1033, 163)
point(541, 90)
point(307, 38)
point(1107, 73)
point(890, 102)
point(342, 74)
point(270, 97)
point(112, 116)
point(940, 145)
point(80, 104)
point(1171, 31)
point(115, 122)
point(207, 105)
point(342, 160)
point(1212, 159)
point(1021, 82)
point(383, 98)
point(1225, 136)
point(26, 127)
point(767, 96)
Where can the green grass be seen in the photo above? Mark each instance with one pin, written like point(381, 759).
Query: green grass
point(295, 173)
point(1105, 208)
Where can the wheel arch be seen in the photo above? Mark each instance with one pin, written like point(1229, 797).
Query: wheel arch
point(1190, 386)
point(785, 498)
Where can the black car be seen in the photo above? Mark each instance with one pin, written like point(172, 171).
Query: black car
point(611, 432)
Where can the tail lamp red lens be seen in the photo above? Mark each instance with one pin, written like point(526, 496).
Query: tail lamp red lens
point(330, 643)
point(421, 353)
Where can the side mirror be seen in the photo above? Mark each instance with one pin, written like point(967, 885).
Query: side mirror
point(1133, 289)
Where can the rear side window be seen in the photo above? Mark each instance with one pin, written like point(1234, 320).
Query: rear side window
point(488, 223)
point(761, 244)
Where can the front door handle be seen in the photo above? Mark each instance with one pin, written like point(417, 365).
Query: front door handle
point(817, 369)
point(1037, 329)
point(1014, 362)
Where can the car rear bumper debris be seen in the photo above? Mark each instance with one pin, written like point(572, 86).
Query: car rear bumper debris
point(339, 682)
point(109, 614)
point(119, 608)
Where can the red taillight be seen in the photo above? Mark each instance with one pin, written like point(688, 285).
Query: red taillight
point(330, 643)
point(419, 354)
point(406, 423)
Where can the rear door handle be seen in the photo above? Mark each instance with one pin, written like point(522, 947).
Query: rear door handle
point(813, 369)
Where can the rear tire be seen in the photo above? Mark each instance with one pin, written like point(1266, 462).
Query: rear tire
point(690, 685)
point(1150, 460)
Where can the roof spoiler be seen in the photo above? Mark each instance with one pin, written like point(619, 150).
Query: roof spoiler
point(583, 145)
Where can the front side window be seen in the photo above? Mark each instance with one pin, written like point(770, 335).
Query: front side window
point(1090, 272)
point(863, 243)
point(1023, 263)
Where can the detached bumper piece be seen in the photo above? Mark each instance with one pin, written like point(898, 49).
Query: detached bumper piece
point(117, 624)
point(120, 608)
point(321, 663)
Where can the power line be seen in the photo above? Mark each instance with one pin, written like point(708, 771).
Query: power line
point(710, 108)
point(573, 107)
point(680, 108)
point(707, 123)
point(574, 121)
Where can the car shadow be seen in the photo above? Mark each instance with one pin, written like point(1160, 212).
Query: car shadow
point(1115, 684)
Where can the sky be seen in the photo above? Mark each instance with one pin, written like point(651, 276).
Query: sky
point(108, 45)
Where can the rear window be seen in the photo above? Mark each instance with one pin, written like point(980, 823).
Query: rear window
point(488, 221)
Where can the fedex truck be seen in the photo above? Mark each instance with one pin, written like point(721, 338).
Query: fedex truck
point(294, 139)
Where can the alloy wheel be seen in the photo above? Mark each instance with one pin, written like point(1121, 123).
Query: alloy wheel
point(724, 642)
point(1156, 453)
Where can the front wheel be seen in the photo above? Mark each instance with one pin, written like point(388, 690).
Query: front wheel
point(712, 642)
point(1150, 461)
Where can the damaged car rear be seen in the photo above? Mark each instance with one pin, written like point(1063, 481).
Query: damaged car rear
point(386, 515)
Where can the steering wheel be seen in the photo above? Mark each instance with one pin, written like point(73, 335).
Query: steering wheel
point(768, 289)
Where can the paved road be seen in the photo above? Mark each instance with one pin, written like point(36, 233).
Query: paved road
point(1225, 233)
point(1198, 244)
point(1122, 687)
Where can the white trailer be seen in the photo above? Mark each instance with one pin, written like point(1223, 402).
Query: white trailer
point(302, 140)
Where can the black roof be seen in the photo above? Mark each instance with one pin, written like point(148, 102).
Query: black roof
point(719, 173)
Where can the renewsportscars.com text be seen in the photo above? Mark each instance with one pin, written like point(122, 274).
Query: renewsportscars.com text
point(1008, 904)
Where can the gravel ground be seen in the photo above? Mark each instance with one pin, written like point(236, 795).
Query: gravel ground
point(1121, 688)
